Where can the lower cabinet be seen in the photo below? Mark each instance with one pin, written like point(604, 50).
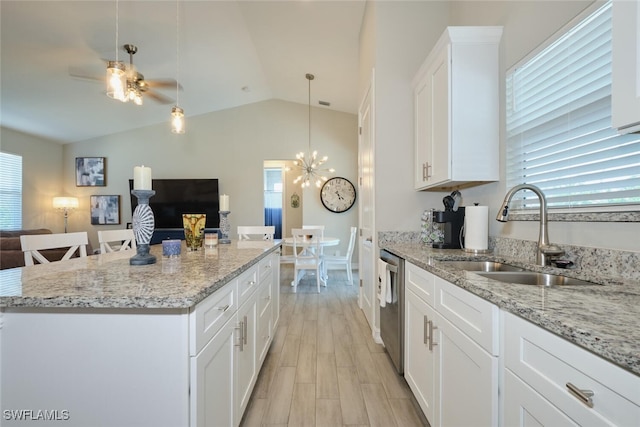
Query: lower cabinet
point(224, 372)
point(555, 382)
point(454, 379)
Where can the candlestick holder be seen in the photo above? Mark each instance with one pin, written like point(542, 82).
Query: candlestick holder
point(225, 227)
point(143, 225)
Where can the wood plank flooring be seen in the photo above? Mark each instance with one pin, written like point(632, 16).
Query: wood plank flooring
point(323, 367)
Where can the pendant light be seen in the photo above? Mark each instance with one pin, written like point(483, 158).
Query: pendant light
point(309, 164)
point(116, 71)
point(177, 113)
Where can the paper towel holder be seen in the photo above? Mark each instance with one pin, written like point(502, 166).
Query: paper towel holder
point(468, 250)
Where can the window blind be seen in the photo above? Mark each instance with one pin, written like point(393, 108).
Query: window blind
point(10, 191)
point(559, 134)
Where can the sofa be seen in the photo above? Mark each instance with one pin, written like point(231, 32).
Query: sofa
point(11, 251)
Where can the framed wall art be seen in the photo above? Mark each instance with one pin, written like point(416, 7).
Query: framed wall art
point(90, 172)
point(105, 210)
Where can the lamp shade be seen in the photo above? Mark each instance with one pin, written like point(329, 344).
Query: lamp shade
point(65, 202)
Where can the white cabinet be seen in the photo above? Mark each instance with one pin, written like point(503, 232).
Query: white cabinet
point(625, 96)
point(541, 371)
point(456, 110)
point(449, 351)
point(226, 357)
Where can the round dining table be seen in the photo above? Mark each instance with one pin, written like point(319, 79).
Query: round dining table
point(324, 242)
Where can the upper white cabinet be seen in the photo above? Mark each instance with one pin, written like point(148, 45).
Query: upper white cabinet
point(456, 107)
point(625, 97)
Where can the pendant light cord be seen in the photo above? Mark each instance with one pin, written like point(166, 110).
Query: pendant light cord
point(309, 76)
point(117, 27)
point(177, 54)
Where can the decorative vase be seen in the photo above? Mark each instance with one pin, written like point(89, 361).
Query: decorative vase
point(194, 225)
point(143, 225)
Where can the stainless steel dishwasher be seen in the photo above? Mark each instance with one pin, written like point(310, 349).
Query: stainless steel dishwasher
point(392, 314)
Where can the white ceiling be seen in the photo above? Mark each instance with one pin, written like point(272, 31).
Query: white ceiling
point(224, 46)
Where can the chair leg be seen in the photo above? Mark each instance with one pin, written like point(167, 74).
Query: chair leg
point(349, 275)
point(318, 272)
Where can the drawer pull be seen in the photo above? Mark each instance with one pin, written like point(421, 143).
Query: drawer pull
point(583, 395)
point(240, 327)
point(225, 308)
point(244, 330)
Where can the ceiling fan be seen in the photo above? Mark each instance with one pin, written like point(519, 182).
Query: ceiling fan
point(136, 84)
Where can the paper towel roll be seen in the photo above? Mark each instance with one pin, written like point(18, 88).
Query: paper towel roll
point(476, 228)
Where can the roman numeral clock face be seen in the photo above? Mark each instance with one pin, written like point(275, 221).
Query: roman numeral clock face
point(338, 194)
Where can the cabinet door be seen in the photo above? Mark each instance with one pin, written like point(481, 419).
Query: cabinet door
point(432, 122)
point(212, 380)
point(467, 376)
point(523, 407)
point(275, 291)
point(265, 316)
point(625, 97)
point(246, 355)
point(419, 360)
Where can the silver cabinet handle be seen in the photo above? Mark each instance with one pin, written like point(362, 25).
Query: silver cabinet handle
point(244, 330)
point(241, 328)
point(431, 328)
point(583, 395)
point(425, 330)
point(225, 308)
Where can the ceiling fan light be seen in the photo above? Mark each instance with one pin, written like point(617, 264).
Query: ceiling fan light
point(116, 80)
point(177, 120)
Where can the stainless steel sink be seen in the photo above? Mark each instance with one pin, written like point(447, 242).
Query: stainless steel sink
point(534, 278)
point(482, 266)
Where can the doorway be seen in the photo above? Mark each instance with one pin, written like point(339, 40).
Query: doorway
point(282, 199)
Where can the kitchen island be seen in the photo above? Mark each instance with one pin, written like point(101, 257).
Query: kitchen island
point(96, 341)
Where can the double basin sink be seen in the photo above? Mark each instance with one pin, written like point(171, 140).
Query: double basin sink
point(511, 274)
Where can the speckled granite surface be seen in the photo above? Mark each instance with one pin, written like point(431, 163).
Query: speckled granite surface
point(603, 318)
point(108, 281)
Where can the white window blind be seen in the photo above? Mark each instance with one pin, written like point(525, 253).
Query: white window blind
point(559, 134)
point(10, 191)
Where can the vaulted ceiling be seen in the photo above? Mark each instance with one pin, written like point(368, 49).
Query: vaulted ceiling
point(230, 53)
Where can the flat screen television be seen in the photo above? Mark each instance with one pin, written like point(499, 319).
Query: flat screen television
point(177, 196)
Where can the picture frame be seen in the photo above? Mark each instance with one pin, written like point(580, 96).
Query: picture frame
point(105, 210)
point(90, 172)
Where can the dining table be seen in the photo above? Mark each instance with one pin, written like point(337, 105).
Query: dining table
point(324, 242)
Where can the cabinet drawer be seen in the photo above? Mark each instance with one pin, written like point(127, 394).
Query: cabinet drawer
point(474, 316)
point(265, 267)
point(264, 300)
point(548, 363)
point(210, 314)
point(421, 282)
point(247, 284)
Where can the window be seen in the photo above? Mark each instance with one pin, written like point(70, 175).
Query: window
point(559, 134)
point(10, 192)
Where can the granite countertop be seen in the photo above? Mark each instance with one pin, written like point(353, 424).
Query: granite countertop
point(602, 318)
point(108, 281)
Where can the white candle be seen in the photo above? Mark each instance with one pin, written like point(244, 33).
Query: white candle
point(141, 178)
point(224, 203)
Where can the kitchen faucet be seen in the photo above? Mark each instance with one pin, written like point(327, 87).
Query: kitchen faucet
point(545, 249)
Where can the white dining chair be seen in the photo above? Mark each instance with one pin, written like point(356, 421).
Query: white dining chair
point(256, 232)
point(343, 261)
point(306, 251)
point(124, 238)
point(33, 243)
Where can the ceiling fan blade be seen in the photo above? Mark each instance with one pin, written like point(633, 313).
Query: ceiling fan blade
point(81, 76)
point(163, 83)
point(158, 97)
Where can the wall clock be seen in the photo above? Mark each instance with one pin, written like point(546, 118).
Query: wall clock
point(338, 194)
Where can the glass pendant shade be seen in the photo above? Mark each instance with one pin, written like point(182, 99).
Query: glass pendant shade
point(116, 80)
point(177, 120)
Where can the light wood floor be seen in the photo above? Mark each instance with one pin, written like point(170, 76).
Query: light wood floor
point(323, 367)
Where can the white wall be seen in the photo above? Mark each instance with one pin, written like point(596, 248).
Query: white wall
point(404, 33)
point(230, 145)
point(42, 165)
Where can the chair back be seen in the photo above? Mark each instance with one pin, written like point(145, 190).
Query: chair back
point(33, 243)
point(124, 237)
point(352, 242)
point(306, 245)
point(315, 227)
point(256, 232)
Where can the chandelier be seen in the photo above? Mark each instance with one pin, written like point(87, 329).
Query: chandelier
point(309, 164)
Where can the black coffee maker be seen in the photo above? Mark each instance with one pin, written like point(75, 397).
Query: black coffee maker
point(451, 220)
